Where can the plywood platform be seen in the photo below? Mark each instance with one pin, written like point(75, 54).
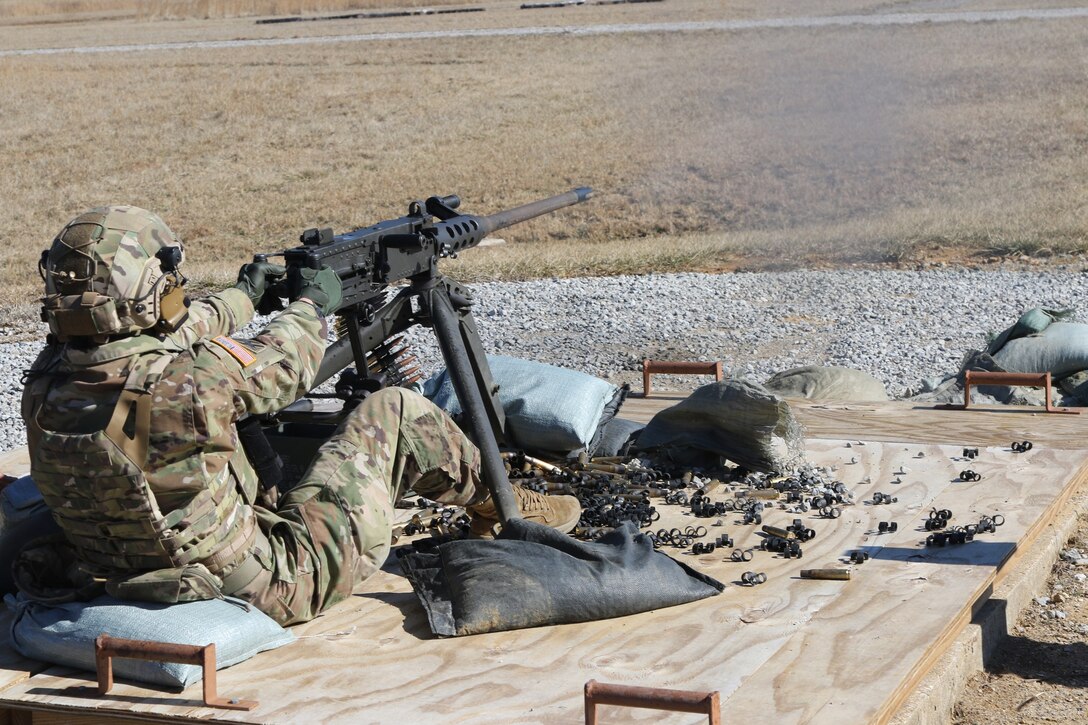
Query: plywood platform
point(904, 421)
point(790, 650)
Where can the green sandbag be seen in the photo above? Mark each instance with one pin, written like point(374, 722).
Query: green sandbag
point(733, 419)
point(1031, 322)
point(1060, 349)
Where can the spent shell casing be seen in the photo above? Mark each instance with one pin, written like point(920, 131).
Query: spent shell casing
point(544, 465)
point(840, 574)
point(605, 467)
point(710, 486)
point(767, 494)
point(632, 496)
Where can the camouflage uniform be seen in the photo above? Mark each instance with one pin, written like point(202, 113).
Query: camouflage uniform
point(328, 534)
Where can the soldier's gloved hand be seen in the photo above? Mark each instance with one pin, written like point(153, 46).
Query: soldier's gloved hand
point(255, 277)
point(322, 287)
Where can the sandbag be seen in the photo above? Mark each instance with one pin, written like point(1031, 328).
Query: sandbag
point(817, 382)
point(1060, 349)
point(1076, 387)
point(617, 437)
point(608, 416)
point(949, 390)
point(64, 634)
point(734, 419)
point(1031, 322)
point(533, 575)
point(23, 517)
point(548, 408)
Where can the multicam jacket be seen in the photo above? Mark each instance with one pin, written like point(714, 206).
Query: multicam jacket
point(185, 496)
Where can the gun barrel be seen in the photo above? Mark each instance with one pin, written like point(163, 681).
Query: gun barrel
point(533, 209)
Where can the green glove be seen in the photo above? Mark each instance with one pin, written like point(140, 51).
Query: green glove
point(322, 286)
point(254, 278)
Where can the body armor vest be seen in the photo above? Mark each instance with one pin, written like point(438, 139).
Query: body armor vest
point(95, 486)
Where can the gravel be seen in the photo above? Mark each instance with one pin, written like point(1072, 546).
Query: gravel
point(900, 326)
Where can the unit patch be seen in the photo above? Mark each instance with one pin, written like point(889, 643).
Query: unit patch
point(238, 351)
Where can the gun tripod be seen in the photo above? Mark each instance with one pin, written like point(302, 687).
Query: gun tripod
point(445, 306)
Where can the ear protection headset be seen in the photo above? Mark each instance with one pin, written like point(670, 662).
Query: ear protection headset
point(174, 303)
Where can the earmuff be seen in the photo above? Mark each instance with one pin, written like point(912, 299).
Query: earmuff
point(174, 303)
point(173, 306)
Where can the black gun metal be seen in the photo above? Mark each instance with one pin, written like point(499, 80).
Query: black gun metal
point(371, 262)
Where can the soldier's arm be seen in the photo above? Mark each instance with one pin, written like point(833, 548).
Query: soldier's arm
point(219, 314)
point(276, 367)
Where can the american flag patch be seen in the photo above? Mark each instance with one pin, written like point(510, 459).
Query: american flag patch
point(239, 352)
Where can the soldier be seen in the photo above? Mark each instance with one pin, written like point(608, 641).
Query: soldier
point(131, 411)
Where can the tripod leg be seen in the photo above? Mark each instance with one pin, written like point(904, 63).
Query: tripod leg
point(440, 308)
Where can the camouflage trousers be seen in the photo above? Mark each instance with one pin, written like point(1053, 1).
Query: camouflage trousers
point(333, 529)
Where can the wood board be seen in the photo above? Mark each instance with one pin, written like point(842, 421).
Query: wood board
point(15, 462)
point(790, 650)
point(912, 422)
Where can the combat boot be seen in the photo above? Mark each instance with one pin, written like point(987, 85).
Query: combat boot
point(559, 512)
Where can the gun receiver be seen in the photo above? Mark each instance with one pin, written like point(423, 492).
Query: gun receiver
point(369, 262)
point(370, 258)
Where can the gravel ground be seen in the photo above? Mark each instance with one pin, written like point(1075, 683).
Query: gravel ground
point(900, 326)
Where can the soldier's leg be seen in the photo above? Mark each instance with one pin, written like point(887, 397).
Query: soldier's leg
point(333, 530)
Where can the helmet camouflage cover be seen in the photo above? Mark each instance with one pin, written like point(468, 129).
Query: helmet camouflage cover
point(107, 272)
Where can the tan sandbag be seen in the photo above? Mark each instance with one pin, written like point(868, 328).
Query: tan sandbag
point(817, 382)
point(733, 419)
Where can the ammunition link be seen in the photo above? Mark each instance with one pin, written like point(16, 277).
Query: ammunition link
point(751, 578)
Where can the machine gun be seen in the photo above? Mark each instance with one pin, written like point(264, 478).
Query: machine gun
point(370, 263)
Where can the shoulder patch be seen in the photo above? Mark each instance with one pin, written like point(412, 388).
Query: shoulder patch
point(237, 350)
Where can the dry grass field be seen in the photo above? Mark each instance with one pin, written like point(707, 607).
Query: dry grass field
point(56, 10)
point(710, 150)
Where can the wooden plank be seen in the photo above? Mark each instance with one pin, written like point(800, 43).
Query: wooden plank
point(70, 718)
point(883, 635)
point(642, 409)
point(910, 422)
point(15, 462)
point(900, 421)
point(787, 651)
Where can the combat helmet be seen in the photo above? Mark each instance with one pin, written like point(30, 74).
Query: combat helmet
point(113, 271)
